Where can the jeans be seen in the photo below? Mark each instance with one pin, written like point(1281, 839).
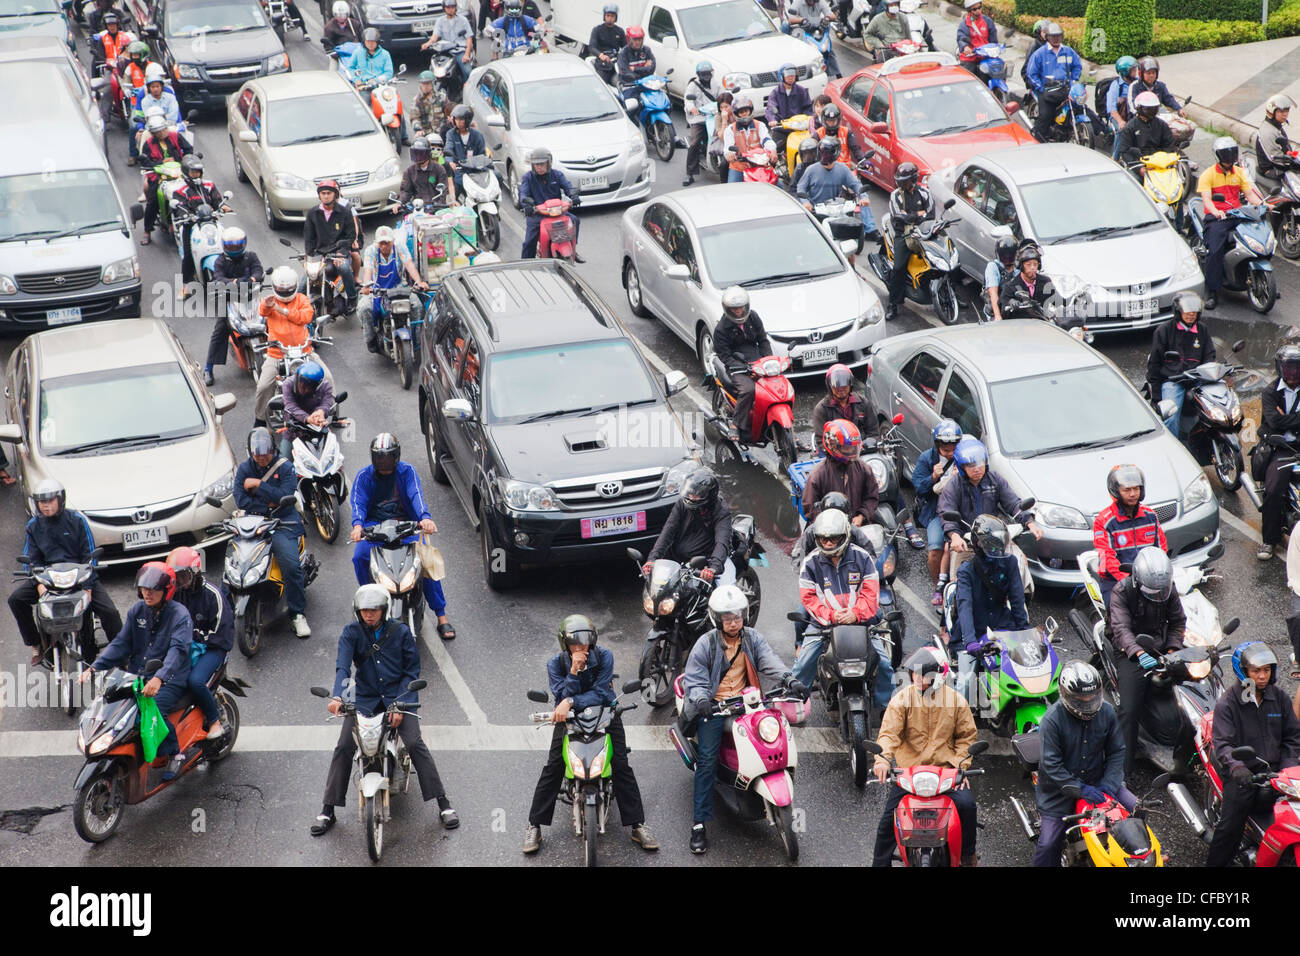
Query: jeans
point(168, 696)
point(814, 645)
point(735, 176)
point(708, 741)
point(934, 534)
point(432, 589)
point(886, 841)
point(336, 781)
point(1175, 393)
point(1218, 236)
point(626, 791)
point(284, 545)
point(1051, 831)
point(200, 673)
point(868, 218)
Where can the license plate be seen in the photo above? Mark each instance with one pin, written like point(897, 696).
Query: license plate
point(139, 538)
point(613, 524)
point(588, 184)
point(63, 316)
point(1140, 307)
point(425, 25)
point(827, 353)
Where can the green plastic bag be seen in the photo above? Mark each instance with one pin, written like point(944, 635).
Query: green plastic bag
point(153, 728)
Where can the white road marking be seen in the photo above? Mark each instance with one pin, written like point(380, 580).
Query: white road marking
point(451, 673)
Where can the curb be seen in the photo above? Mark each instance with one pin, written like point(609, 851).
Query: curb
point(1203, 116)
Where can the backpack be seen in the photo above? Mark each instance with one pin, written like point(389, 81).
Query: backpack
point(1100, 94)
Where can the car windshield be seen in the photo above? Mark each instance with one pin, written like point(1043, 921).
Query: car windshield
point(720, 23)
point(117, 408)
point(767, 252)
point(52, 204)
point(564, 101)
point(317, 119)
point(28, 8)
point(1101, 409)
point(550, 382)
point(224, 16)
point(946, 108)
point(1087, 207)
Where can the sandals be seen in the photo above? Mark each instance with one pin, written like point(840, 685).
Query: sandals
point(323, 823)
point(6, 479)
point(446, 631)
point(449, 819)
point(915, 538)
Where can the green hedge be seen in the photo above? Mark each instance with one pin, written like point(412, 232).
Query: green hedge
point(1181, 36)
point(1284, 22)
point(1212, 9)
point(1050, 9)
point(1169, 34)
point(1115, 28)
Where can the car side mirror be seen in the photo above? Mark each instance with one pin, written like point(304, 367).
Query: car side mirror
point(1167, 408)
point(1027, 503)
point(849, 247)
point(878, 129)
point(539, 696)
point(1231, 626)
point(1002, 231)
point(496, 121)
point(98, 83)
point(679, 271)
point(675, 381)
point(247, 136)
point(669, 41)
point(1012, 108)
point(224, 402)
point(458, 410)
point(150, 30)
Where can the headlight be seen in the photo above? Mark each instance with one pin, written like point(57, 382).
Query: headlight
point(63, 579)
point(100, 744)
point(677, 475)
point(887, 569)
point(276, 64)
point(1060, 516)
point(597, 766)
point(1188, 268)
point(7, 286)
point(384, 580)
point(648, 604)
point(304, 465)
point(222, 488)
point(1287, 786)
point(854, 669)
point(409, 578)
point(668, 605)
point(1197, 493)
point(1270, 243)
point(183, 71)
point(523, 496)
point(377, 11)
point(291, 182)
point(123, 270)
point(925, 784)
point(875, 314)
point(575, 764)
point(737, 81)
point(878, 471)
point(1067, 284)
point(388, 170)
point(637, 150)
point(255, 574)
point(1251, 243)
point(769, 728)
point(1217, 413)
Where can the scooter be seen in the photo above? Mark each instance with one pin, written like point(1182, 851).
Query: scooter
point(1016, 678)
point(927, 830)
point(652, 106)
point(1284, 211)
point(385, 101)
point(1165, 178)
point(772, 421)
point(380, 754)
point(60, 613)
point(557, 239)
point(483, 192)
point(291, 357)
point(588, 750)
point(931, 268)
point(797, 129)
point(445, 64)
point(324, 285)
point(205, 236)
point(396, 567)
point(717, 162)
point(398, 331)
point(116, 774)
point(993, 68)
point(759, 168)
point(318, 460)
point(1291, 461)
point(1247, 265)
point(606, 71)
point(819, 38)
point(277, 12)
point(753, 773)
point(247, 331)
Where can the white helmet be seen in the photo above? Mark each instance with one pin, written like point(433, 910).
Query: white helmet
point(385, 234)
point(1278, 101)
point(727, 599)
point(156, 123)
point(340, 9)
point(154, 73)
point(967, 4)
point(833, 524)
point(735, 297)
point(284, 281)
point(369, 597)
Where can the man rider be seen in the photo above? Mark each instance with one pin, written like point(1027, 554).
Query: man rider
point(427, 109)
point(162, 145)
point(540, 184)
point(844, 400)
point(829, 180)
point(132, 72)
point(330, 229)
point(744, 136)
point(738, 341)
point(462, 142)
point(724, 661)
point(910, 204)
point(308, 399)
point(607, 41)
point(634, 62)
point(788, 98)
point(236, 272)
point(1149, 79)
point(842, 470)
point(1039, 34)
point(884, 30)
point(807, 159)
point(389, 489)
point(1272, 146)
point(427, 178)
point(697, 97)
point(581, 675)
point(1255, 714)
point(812, 15)
point(974, 30)
point(852, 153)
point(1051, 71)
point(1027, 285)
point(699, 525)
point(1145, 133)
point(927, 723)
point(195, 192)
point(385, 265)
point(1000, 270)
point(383, 658)
point(1192, 341)
point(454, 27)
point(934, 468)
point(1228, 180)
point(1117, 105)
point(109, 45)
point(518, 28)
point(287, 313)
point(53, 535)
point(213, 618)
point(154, 94)
point(342, 27)
point(990, 593)
point(1124, 527)
point(1280, 415)
point(369, 64)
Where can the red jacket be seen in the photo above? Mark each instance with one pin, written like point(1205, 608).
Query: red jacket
point(1118, 537)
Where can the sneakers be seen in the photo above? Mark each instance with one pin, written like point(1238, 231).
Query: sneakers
point(532, 839)
point(641, 834)
point(174, 767)
point(449, 819)
point(699, 839)
point(207, 377)
point(218, 732)
point(688, 180)
point(1265, 552)
point(301, 627)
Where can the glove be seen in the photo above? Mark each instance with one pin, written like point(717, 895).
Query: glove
point(530, 209)
point(796, 688)
point(975, 648)
point(1092, 794)
point(1241, 775)
point(1147, 661)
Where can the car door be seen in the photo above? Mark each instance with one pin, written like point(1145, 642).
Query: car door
point(486, 95)
point(961, 403)
point(684, 297)
point(916, 394)
point(661, 26)
point(649, 255)
point(452, 344)
point(969, 189)
point(878, 111)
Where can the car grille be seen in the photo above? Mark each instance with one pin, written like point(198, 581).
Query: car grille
point(125, 517)
point(805, 338)
point(588, 164)
point(234, 72)
point(1153, 288)
point(425, 10)
point(1166, 511)
point(345, 179)
point(771, 79)
point(579, 494)
point(45, 283)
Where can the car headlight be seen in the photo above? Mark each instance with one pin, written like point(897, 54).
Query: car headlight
point(1197, 493)
point(874, 315)
point(1067, 284)
point(737, 81)
point(276, 64)
point(769, 728)
point(925, 784)
point(7, 286)
point(597, 766)
point(377, 11)
point(123, 270)
point(637, 150)
point(524, 496)
point(1060, 516)
point(819, 66)
point(293, 183)
point(677, 476)
point(222, 488)
point(853, 669)
point(1188, 268)
point(184, 71)
point(668, 605)
point(388, 170)
point(575, 764)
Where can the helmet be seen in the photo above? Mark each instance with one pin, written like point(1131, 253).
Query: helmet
point(340, 10)
point(462, 112)
point(370, 33)
point(1125, 476)
point(700, 490)
point(192, 167)
point(990, 536)
point(970, 451)
point(1080, 688)
point(577, 629)
point(385, 447)
point(1287, 357)
point(1039, 26)
point(137, 48)
point(514, 8)
point(109, 18)
point(325, 184)
point(1187, 301)
point(828, 146)
point(1027, 252)
point(154, 73)
point(831, 526)
point(788, 68)
point(967, 4)
point(808, 149)
point(284, 280)
point(260, 442)
point(185, 560)
point(426, 76)
point(609, 8)
point(50, 489)
point(735, 298)
point(1006, 250)
point(842, 440)
point(1149, 63)
point(434, 140)
point(727, 599)
point(1054, 29)
point(1125, 65)
point(635, 33)
point(839, 376)
point(704, 68)
point(156, 576)
point(385, 234)
point(836, 500)
point(311, 374)
point(947, 432)
point(156, 124)
point(370, 597)
point(540, 155)
point(831, 116)
point(1253, 654)
point(742, 103)
point(928, 661)
point(1147, 104)
point(419, 149)
point(906, 174)
point(1225, 150)
point(1153, 573)
point(233, 241)
point(1278, 101)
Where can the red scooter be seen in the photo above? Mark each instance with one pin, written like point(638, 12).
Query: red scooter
point(772, 421)
point(558, 236)
point(759, 168)
point(926, 826)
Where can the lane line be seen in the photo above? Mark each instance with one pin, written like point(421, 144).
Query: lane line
point(451, 673)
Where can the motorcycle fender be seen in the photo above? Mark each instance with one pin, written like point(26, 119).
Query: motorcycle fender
point(209, 261)
point(1231, 439)
point(780, 414)
point(856, 703)
point(91, 768)
point(372, 783)
point(1260, 265)
point(489, 207)
point(402, 333)
point(776, 788)
point(1029, 713)
point(241, 603)
point(658, 116)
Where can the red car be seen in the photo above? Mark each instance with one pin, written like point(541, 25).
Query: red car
point(926, 109)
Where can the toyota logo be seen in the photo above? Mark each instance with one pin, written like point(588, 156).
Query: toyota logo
point(814, 337)
point(591, 158)
point(141, 516)
point(60, 280)
point(610, 489)
point(419, 7)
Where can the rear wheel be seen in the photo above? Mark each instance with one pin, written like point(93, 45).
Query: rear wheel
point(665, 141)
point(747, 581)
point(490, 230)
point(590, 830)
point(373, 816)
point(98, 805)
point(655, 674)
point(789, 839)
point(859, 759)
point(1288, 233)
point(1084, 135)
point(1227, 464)
point(1261, 289)
point(325, 511)
point(632, 283)
point(404, 356)
point(228, 714)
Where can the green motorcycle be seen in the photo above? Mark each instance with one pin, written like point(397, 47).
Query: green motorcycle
point(1015, 678)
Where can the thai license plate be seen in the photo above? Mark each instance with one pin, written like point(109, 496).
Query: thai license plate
point(613, 524)
point(63, 316)
point(425, 25)
point(827, 353)
point(1140, 307)
point(589, 184)
point(139, 538)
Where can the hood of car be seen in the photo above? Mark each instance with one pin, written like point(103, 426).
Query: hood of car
point(216, 49)
point(37, 25)
point(628, 440)
point(786, 308)
point(580, 140)
point(763, 54)
point(141, 476)
point(313, 160)
point(944, 152)
point(1149, 256)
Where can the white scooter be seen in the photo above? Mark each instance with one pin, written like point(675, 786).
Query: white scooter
point(205, 237)
point(948, 612)
point(482, 191)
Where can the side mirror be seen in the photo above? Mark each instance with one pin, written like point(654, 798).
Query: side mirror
point(897, 419)
point(418, 684)
point(392, 197)
point(401, 69)
point(669, 41)
point(1216, 551)
point(228, 195)
point(25, 560)
point(224, 402)
point(1027, 503)
point(288, 500)
point(1148, 644)
point(893, 617)
point(887, 519)
point(11, 433)
point(98, 83)
point(871, 747)
point(320, 692)
point(1277, 441)
point(978, 747)
point(496, 121)
point(539, 696)
point(341, 397)
point(153, 665)
point(675, 381)
point(679, 271)
point(137, 212)
point(849, 247)
point(150, 30)
point(247, 136)
point(878, 129)
point(629, 103)
point(1231, 626)
point(458, 410)
point(1072, 791)
point(1173, 356)
point(697, 562)
point(950, 516)
point(212, 500)
point(1238, 345)
point(635, 555)
point(949, 204)
point(1001, 232)
point(1160, 782)
point(798, 617)
point(1167, 407)
point(1243, 753)
point(286, 243)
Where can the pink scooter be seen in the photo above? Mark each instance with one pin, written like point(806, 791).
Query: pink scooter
point(557, 238)
point(755, 761)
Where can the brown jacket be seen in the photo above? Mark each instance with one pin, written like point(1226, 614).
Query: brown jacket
point(853, 478)
point(935, 728)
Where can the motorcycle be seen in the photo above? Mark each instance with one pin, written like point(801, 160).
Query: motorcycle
point(116, 774)
point(1284, 210)
point(1166, 177)
point(1291, 461)
point(170, 181)
point(993, 68)
point(717, 162)
point(247, 331)
point(483, 192)
point(445, 64)
point(606, 71)
point(772, 421)
point(1016, 674)
point(380, 754)
point(652, 106)
point(931, 268)
point(1247, 265)
point(759, 168)
point(397, 330)
point(318, 460)
point(505, 45)
point(927, 830)
point(277, 11)
point(205, 236)
point(948, 610)
point(291, 357)
point(797, 129)
point(60, 613)
point(819, 38)
point(324, 285)
point(557, 238)
point(1075, 121)
point(385, 102)
point(588, 750)
point(396, 567)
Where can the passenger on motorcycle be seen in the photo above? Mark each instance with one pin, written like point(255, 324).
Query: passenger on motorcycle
point(1050, 71)
point(517, 28)
point(1149, 80)
point(236, 271)
point(999, 272)
point(454, 27)
point(213, 619)
point(606, 41)
point(342, 27)
point(926, 723)
point(1230, 181)
point(699, 525)
point(884, 30)
point(382, 657)
point(1145, 133)
point(1027, 283)
point(426, 108)
point(386, 265)
point(842, 470)
point(287, 313)
point(739, 340)
point(934, 468)
point(746, 135)
point(111, 44)
point(1192, 341)
point(1255, 713)
point(369, 64)
point(634, 62)
point(132, 71)
point(56, 534)
point(195, 192)
point(974, 30)
point(389, 488)
point(308, 398)
point(582, 676)
point(1280, 414)
point(910, 204)
point(1273, 147)
point(807, 159)
point(1082, 747)
point(542, 183)
point(844, 400)
point(698, 95)
point(1124, 527)
point(1117, 105)
point(1039, 34)
point(462, 142)
point(977, 491)
point(830, 125)
point(812, 15)
point(330, 229)
point(162, 145)
point(990, 594)
point(153, 95)
point(724, 661)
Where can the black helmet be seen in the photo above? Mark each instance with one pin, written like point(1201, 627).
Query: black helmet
point(906, 174)
point(1187, 301)
point(1026, 252)
point(1006, 248)
point(1125, 476)
point(419, 149)
point(260, 442)
point(1080, 689)
point(1153, 573)
point(827, 147)
point(834, 500)
point(989, 535)
point(385, 447)
point(831, 116)
point(808, 149)
point(1287, 357)
point(462, 112)
point(192, 167)
point(700, 490)
point(577, 629)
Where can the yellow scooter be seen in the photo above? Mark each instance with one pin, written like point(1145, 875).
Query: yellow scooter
point(798, 128)
point(1166, 177)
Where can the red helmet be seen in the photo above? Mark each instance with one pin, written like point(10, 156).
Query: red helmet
point(156, 576)
point(635, 33)
point(842, 440)
point(327, 184)
point(186, 559)
point(839, 376)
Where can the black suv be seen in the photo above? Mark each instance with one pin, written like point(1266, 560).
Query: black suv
point(540, 412)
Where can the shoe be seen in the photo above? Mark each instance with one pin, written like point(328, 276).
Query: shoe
point(449, 819)
point(972, 860)
point(1265, 552)
point(891, 312)
point(174, 767)
point(146, 239)
point(218, 733)
point(207, 377)
point(130, 160)
point(688, 180)
point(301, 627)
point(532, 839)
point(1211, 301)
point(323, 822)
point(936, 599)
point(372, 346)
point(577, 258)
point(641, 834)
point(1295, 667)
point(699, 839)
point(733, 433)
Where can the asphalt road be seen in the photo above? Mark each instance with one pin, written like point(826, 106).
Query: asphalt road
point(255, 807)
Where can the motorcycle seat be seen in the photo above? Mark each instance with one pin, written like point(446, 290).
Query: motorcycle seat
point(719, 369)
point(1093, 570)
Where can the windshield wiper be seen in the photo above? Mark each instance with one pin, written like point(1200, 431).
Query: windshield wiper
point(615, 406)
point(1098, 231)
point(705, 46)
point(1073, 446)
point(1129, 437)
point(571, 119)
point(32, 234)
point(107, 442)
point(944, 130)
point(317, 138)
point(773, 280)
point(34, 13)
point(82, 227)
point(554, 414)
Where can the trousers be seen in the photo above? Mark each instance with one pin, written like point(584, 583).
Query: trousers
point(1218, 234)
point(1277, 488)
point(24, 597)
point(1051, 831)
point(626, 791)
point(432, 589)
point(336, 781)
point(886, 841)
point(1239, 802)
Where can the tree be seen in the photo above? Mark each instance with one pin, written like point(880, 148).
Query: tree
point(1115, 28)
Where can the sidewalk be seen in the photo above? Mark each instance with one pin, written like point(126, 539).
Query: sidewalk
point(1230, 84)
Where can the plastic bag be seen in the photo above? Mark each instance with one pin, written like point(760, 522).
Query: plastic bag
point(153, 728)
point(435, 569)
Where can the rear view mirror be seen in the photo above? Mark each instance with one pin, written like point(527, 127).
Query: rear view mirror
point(496, 121)
point(1168, 408)
point(635, 555)
point(25, 559)
point(949, 204)
point(1231, 626)
point(1243, 753)
point(697, 562)
point(1027, 503)
point(632, 687)
point(1238, 345)
point(669, 41)
point(1012, 108)
point(1172, 356)
point(224, 402)
point(798, 617)
point(1072, 791)
point(674, 382)
point(341, 397)
point(137, 212)
point(538, 696)
point(677, 271)
point(893, 617)
point(11, 433)
point(951, 516)
point(212, 500)
point(849, 247)
point(1148, 643)
point(871, 747)
point(457, 410)
point(418, 684)
point(897, 419)
point(320, 692)
point(978, 747)
point(878, 129)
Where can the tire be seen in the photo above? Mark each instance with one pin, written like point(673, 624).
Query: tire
point(747, 581)
point(1261, 289)
point(1288, 233)
point(789, 839)
point(665, 141)
point(590, 831)
point(272, 220)
point(632, 284)
point(248, 631)
point(859, 759)
point(946, 304)
point(431, 449)
point(253, 361)
point(372, 817)
point(508, 576)
point(404, 356)
point(1228, 465)
point(229, 712)
point(1083, 629)
point(786, 453)
point(704, 349)
point(1084, 136)
point(512, 185)
point(98, 806)
point(239, 168)
point(325, 511)
point(490, 230)
point(660, 691)
point(395, 137)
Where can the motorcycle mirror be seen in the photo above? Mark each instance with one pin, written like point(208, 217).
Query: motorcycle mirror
point(798, 617)
point(635, 555)
point(1173, 356)
point(893, 617)
point(1277, 441)
point(1216, 551)
point(224, 402)
point(949, 204)
point(1160, 782)
point(153, 665)
point(285, 242)
point(228, 195)
point(871, 747)
point(417, 684)
point(319, 692)
point(952, 516)
point(632, 687)
point(1127, 568)
point(1027, 503)
point(288, 500)
point(1148, 643)
point(897, 419)
point(538, 696)
point(697, 562)
point(137, 212)
point(340, 398)
point(401, 69)
point(978, 747)
point(1217, 197)
point(1243, 753)
point(1232, 625)
point(25, 559)
point(212, 500)
point(1238, 345)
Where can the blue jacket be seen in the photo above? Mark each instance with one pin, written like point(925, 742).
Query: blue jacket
point(408, 490)
point(970, 501)
point(978, 609)
point(516, 30)
point(212, 614)
point(362, 66)
point(381, 676)
point(535, 190)
point(703, 673)
point(927, 500)
point(1078, 752)
point(1045, 64)
point(65, 537)
point(594, 684)
point(458, 152)
point(146, 636)
point(263, 499)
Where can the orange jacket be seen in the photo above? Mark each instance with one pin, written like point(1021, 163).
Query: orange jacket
point(286, 322)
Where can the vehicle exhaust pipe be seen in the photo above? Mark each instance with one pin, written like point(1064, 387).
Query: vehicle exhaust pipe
point(1190, 811)
point(1023, 817)
point(1252, 491)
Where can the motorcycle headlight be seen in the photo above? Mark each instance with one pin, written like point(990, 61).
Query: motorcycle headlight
point(878, 471)
point(1251, 243)
point(124, 270)
point(925, 784)
point(1287, 786)
point(853, 669)
point(276, 64)
point(63, 579)
point(1270, 243)
point(1061, 516)
point(668, 605)
point(648, 604)
point(524, 496)
point(383, 580)
point(1188, 268)
point(100, 744)
point(409, 579)
point(874, 315)
point(388, 170)
point(184, 71)
point(597, 766)
point(292, 183)
point(305, 465)
point(255, 573)
point(677, 475)
point(769, 728)
point(1197, 493)
point(1217, 413)
point(7, 286)
point(222, 488)
point(576, 765)
point(887, 568)
point(377, 11)
point(737, 81)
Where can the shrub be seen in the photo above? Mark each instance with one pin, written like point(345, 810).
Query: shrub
point(1284, 22)
point(1114, 28)
point(1180, 36)
point(1213, 9)
point(1051, 9)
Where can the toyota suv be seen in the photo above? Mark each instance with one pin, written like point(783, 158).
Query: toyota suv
point(540, 412)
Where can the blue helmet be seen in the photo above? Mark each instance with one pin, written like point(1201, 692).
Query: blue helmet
point(970, 451)
point(788, 68)
point(945, 432)
point(703, 67)
point(311, 374)
point(1253, 654)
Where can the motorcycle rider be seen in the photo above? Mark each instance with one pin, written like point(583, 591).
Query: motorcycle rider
point(990, 594)
point(1280, 415)
point(542, 183)
point(389, 488)
point(330, 229)
point(156, 628)
point(454, 27)
point(162, 145)
point(884, 30)
point(1117, 105)
point(699, 524)
point(517, 28)
point(582, 676)
point(195, 192)
point(287, 313)
point(213, 618)
point(131, 73)
point(738, 341)
point(927, 723)
point(1039, 34)
point(236, 271)
point(1192, 341)
point(1149, 80)
point(724, 661)
point(829, 180)
point(812, 15)
point(910, 204)
point(386, 263)
point(109, 45)
point(1229, 180)
point(1293, 620)
point(152, 95)
point(55, 534)
point(787, 99)
point(462, 142)
point(1273, 148)
point(1253, 714)
point(1145, 133)
point(973, 31)
point(842, 470)
point(427, 178)
point(744, 136)
point(1125, 527)
point(698, 94)
point(934, 468)
point(844, 401)
point(382, 657)
point(1027, 283)
point(976, 491)
point(427, 109)
point(1082, 747)
point(1051, 71)
point(342, 27)
point(308, 398)
point(607, 41)
point(999, 272)
point(634, 62)
point(369, 64)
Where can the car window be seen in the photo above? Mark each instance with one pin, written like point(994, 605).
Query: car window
point(947, 108)
point(858, 92)
point(998, 204)
point(255, 115)
point(450, 342)
point(24, 394)
point(470, 379)
point(661, 24)
point(1102, 410)
point(924, 372)
point(245, 100)
point(501, 99)
point(487, 85)
point(971, 187)
point(194, 19)
point(655, 223)
point(116, 407)
point(677, 243)
point(878, 111)
point(959, 404)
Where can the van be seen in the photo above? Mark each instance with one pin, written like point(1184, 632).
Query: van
point(50, 50)
point(65, 235)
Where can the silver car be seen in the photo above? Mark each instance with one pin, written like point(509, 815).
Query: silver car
point(1113, 257)
point(558, 101)
point(1056, 416)
point(682, 249)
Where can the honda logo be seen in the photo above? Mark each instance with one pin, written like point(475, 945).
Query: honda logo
point(610, 489)
point(814, 337)
point(141, 516)
point(1140, 288)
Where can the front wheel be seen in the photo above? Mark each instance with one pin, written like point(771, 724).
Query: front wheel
point(747, 581)
point(373, 815)
point(1084, 135)
point(859, 760)
point(248, 631)
point(404, 356)
point(655, 673)
point(786, 454)
point(499, 569)
point(946, 305)
point(98, 805)
point(1288, 233)
point(789, 839)
point(489, 225)
point(635, 297)
point(228, 714)
point(1227, 464)
point(325, 511)
point(1261, 289)
point(665, 141)
point(590, 830)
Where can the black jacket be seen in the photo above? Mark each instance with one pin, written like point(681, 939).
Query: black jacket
point(1130, 614)
point(212, 614)
point(688, 534)
point(1015, 288)
point(1272, 151)
point(1078, 752)
point(634, 64)
point(1273, 413)
point(240, 269)
point(382, 673)
point(861, 413)
point(1196, 348)
point(423, 184)
point(1270, 726)
point(335, 235)
point(738, 345)
point(1139, 138)
point(147, 635)
point(910, 208)
point(339, 33)
point(65, 537)
point(607, 39)
point(264, 499)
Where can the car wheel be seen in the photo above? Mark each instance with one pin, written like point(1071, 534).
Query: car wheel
point(272, 220)
point(239, 168)
point(632, 283)
point(704, 349)
point(499, 570)
point(512, 184)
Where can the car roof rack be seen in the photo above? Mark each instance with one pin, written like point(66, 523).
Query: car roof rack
point(916, 62)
